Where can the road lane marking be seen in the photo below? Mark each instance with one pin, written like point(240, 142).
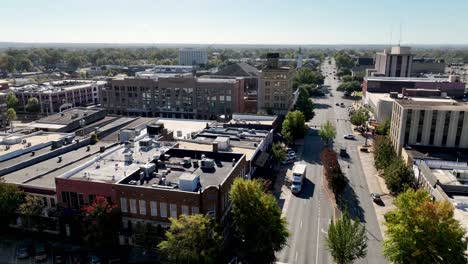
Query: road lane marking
point(295, 258)
point(301, 224)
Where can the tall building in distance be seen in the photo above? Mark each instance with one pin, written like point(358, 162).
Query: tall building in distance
point(396, 62)
point(193, 56)
point(276, 94)
point(299, 58)
point(429, 123)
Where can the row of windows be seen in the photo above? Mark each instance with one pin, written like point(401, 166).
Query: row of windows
point(130, 206)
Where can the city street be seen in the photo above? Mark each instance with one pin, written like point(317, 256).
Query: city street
point(309, 213)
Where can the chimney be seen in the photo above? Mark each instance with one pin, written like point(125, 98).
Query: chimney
point(215, 147)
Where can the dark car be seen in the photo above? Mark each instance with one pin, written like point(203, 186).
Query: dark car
point(343, 152)
point(337, 104)
point(376, 198)
point(23, 249)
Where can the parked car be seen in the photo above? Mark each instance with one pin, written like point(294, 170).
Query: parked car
point(291, 153)
point(337, 104)
point(376, 197)
point(23, 250)
point(343, 152)
point(364, 149)
point(40, 252)
point(349, 136)
point(288, 160)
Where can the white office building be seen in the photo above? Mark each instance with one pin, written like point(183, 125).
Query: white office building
point(193, 56)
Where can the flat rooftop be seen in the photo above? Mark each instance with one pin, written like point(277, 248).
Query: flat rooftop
point(432, 105)
point(42, 174)
point(66, 117)
point(56, 86)
point(386, 97)
point(26, 142)
point(207, 146)
point(409, 79)
point(185, 126)
point(173, 169)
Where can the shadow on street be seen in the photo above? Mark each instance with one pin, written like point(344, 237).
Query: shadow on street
point(307, 191)
point(350, 202)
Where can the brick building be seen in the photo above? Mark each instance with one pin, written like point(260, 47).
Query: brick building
point(175, 96)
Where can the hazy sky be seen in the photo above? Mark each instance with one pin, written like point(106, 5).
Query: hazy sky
point(235, 21)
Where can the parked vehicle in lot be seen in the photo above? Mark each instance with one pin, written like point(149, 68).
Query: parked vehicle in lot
point(288, 160)
point(299, 172)
point(23, 250)
point(40, 252)
point(364, 149)
point(349, 136)
point(291, 153)
point(337, 104)
point(376, 197)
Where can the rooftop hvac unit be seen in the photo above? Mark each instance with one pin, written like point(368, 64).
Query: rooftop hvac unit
point(207, 164)
point(188, 182)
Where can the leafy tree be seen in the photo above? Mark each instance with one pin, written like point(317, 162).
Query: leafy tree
point(360, 117)
point(33, 105)
point(307, 76)
point(349, 87)
point(94, 137)
point(304, 104)
point(11, 116)
point(332, 170)
point(422, 231)
point(31, 209)
point(192, 239)
point(10, 198)
point(343, 60)
point(259, 227)
point(384, 129)
point(327, 132)
point(294, 126)
point(384, 153)
point(12, 101)
point(312, 89)
point(346, 240)
point(398, 176)
point(100, 223)
point(279, 153)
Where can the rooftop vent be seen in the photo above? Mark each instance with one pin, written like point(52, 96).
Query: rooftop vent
point(207, 164)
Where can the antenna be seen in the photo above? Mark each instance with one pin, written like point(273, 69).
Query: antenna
point(399, 40)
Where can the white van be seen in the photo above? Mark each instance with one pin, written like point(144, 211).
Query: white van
point(299, 172)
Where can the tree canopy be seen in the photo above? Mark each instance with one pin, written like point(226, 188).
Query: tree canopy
point(10, 198)
point(294, 126)
point(100, 224)
point(346, 240)
point(307, 76)
point(12, 101)
point(192, 239)
point(384, 128)
point(327, 132)
point(349, 87)
point(422, 231)
point(259, 227)
point(343, 60)
point(360, 117)
point(33, 105)
point(304, 104)
point(398, 176)
point(278, 151)
point(384, 153)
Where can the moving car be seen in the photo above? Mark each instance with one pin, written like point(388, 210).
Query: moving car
point(349, 136)
point(40, 253)
point(376, 197)
point(23, 250)
point(337, 104)
point(299, 172)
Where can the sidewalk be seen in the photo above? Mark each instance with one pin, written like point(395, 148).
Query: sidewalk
point(376, 184)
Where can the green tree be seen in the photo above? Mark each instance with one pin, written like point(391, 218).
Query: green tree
point(146, 236)
point(294, 126)
point(327, 132)
point(279, 153)
point(94, 137)
point(384, 153)
point(349, 87)
point(384, 129)
point(422, 231)
point(12, 101)
point(346, 240)
point(259, 227)
point(192, 239)
point(31, 210)
point(304, 104)
point(11, 116)
point(398, 176)
point(307, 76)
point(33, 105)
point(10, 198)
point(360, 117)
point(312, 89)
point(343, 60)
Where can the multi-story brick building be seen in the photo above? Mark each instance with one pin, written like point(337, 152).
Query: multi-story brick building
point(57, 95)
point(275, 87)
point(193, 56)
point(174, 96)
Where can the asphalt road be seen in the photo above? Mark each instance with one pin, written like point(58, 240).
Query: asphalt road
point(310, 212)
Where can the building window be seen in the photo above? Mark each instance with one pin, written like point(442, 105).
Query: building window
point(142, 204)
point(185, 210)
point(123, 204)
point(154, 208)
point(163, 208)
point(80, 199)
point(195, 210)
point(173, 208)
point(52, 202)
point(65, 197)
point(133, 209)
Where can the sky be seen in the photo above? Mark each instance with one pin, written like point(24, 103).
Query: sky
point(235, 21)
